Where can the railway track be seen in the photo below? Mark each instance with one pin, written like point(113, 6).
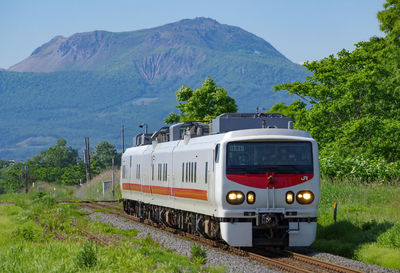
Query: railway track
point(285, 261)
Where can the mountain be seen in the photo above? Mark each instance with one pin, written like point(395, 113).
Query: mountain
point(90, 83)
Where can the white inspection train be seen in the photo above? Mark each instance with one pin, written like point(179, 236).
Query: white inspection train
point(248, 179)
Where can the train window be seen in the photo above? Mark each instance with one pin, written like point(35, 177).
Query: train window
point(123, 171)
point(183, 172)
point(152, 172)
point(139, 171)
point(187, 171)
point(217, 153)
point(165, 172)
point(159, 172)
point(190, 171)
point(195, 171)
point(281, 157)
point(206, 172)
point(130, 161)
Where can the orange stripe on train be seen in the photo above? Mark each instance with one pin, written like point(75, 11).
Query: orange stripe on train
point(177, 192)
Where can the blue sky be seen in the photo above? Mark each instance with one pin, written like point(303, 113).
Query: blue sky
point(300, 29)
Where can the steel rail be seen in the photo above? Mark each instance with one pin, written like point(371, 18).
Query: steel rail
point(327, 265)
point(288, 256)
point(90, 235)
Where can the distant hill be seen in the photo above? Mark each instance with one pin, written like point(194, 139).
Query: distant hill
point(90, 83)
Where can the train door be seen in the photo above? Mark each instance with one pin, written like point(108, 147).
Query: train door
point(212, 161)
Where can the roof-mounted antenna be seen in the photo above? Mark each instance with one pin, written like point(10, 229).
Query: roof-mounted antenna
point(145, 127)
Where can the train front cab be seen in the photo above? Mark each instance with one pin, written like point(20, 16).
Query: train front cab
point(269, 191)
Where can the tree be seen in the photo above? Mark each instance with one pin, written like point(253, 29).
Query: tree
point(353, 104)
point(202, 104)
point(104, 152)
point(59, 155)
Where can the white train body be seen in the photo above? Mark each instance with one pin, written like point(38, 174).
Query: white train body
point(195, 184)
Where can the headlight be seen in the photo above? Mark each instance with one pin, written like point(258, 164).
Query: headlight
point(305, 197)
point(251, 197)
point(235, 197)
point(289, 197)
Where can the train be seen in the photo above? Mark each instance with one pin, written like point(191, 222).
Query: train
point(248, 179)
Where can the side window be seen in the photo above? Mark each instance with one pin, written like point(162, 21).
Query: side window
point(152, 172)
point(206, 173)
point(195, 172)
point(217, 153)
point(190, 171)
point(183, 172)
point(165, 172)
point(123, 171)
point(187, 171)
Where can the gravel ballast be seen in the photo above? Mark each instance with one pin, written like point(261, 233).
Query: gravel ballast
point(233, 263)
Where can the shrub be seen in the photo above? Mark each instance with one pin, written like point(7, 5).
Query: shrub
point(199, 255)
point(87, 257)
point(359, 168)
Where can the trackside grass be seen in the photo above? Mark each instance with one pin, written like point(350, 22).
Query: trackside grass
point(368, 222)
point(28, 243)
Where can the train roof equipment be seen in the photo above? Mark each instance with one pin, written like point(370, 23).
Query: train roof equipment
point(221, 124)
point(242, 121)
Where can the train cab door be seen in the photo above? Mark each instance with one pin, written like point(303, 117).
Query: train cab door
point(212, 171)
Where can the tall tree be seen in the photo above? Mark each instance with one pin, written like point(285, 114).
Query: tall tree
point(202, 104)
point(353, 97)
point(103, 154)
point(59, 155)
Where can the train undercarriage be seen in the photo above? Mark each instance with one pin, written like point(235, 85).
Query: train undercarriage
point(266, 229)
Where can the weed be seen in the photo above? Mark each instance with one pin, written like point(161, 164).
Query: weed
point(87, 257)
point(29, 231)
point(198, 254)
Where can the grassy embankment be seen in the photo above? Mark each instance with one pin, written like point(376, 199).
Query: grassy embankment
point(28, 242)
point(368, 222)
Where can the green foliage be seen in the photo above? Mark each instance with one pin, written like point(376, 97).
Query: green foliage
point(59, 155)
point(103, 154)
point(198, 254)
point(352, 105)
point(10, 178)
point(359, 168)
point(28, 243)
point(368, 221)
point(73, 175)
point(28, 231)
point(290, 110)
point(203, 104)
point(87, 257)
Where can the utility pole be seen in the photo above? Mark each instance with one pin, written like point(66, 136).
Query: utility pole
point(21, 177)
point(123, 138)
point(26, 178)
point(112, 176)
point(86, 159)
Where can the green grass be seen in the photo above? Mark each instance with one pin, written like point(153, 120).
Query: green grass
point(27, 245)
point(368, 222)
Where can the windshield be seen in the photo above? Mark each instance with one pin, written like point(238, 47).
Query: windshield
point(281, 157)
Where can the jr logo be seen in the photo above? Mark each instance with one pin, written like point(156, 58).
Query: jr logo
point(304, 178)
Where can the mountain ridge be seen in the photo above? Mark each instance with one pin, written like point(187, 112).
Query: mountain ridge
point(90, 83)
point(93, 50)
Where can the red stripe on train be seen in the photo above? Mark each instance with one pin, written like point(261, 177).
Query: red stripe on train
point(260, 181)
